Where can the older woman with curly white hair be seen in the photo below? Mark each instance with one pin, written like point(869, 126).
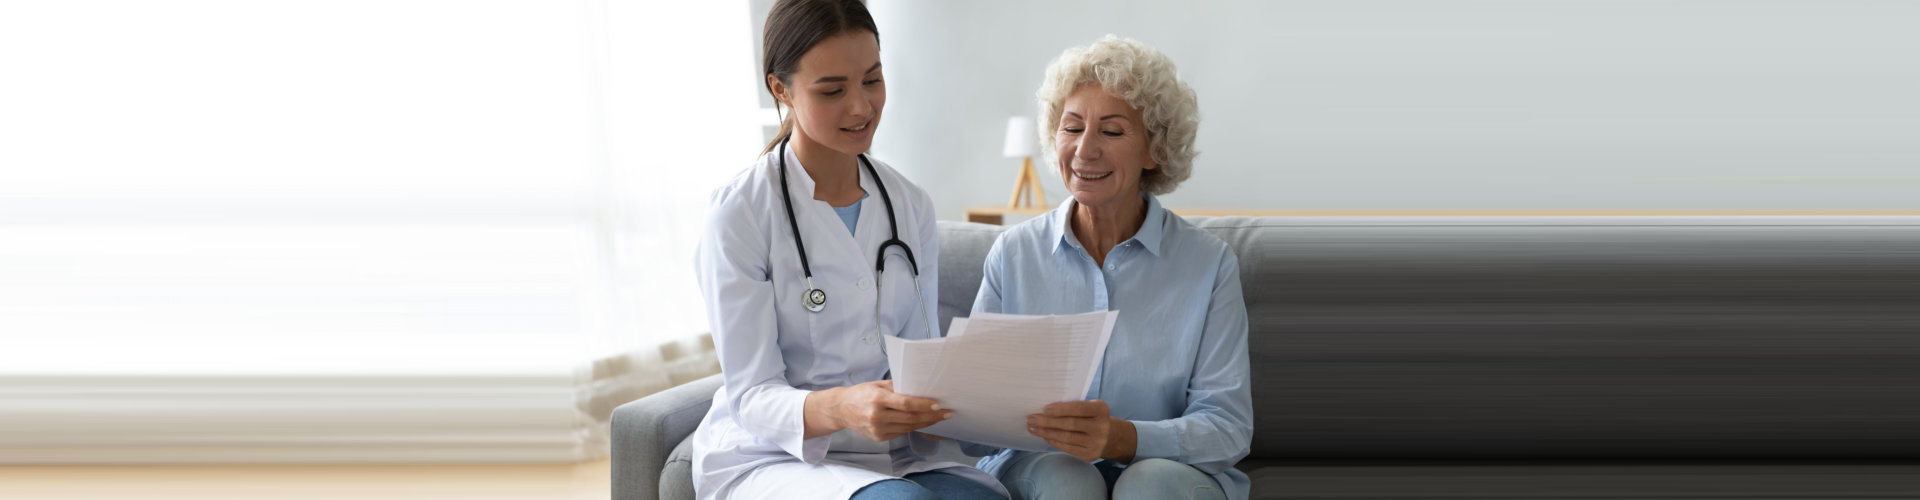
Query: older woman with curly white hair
point(1170, 410)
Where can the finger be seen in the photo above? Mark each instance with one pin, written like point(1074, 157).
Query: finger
point(877, 433)
point(1070, 437)
point(899, 401)
point(895, 430)
point(1095, 408)
point(1075, 424)
point(1061, 409)
point(884, 384)
point(914, 419)
point(923, 419)
point(902, 429)
point(890, 417)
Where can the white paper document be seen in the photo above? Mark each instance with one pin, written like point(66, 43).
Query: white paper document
point(993, 370)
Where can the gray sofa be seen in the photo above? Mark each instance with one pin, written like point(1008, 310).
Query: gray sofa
point(1531, 357)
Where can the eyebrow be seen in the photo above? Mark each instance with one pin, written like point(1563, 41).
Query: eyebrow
point(1115, 115)
point(825, 79)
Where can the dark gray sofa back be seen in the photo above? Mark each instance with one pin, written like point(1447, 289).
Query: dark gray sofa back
point(1589, 337)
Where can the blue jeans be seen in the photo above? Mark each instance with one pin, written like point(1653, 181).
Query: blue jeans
point(929, 485)
point(1058, 476)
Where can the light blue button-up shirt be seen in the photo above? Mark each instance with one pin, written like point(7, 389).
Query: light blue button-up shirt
point(1177, 363)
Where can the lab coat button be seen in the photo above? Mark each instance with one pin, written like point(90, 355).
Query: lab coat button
point(865, 283)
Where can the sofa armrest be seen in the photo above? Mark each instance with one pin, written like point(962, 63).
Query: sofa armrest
point(646, 430)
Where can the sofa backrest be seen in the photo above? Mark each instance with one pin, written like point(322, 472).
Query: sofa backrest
point(1571, 337)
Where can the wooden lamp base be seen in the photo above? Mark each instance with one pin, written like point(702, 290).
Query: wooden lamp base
point(1027, 188)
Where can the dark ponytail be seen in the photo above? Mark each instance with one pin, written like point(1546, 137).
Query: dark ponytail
point(793, 28)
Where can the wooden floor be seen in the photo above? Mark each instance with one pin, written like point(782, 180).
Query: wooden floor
point(585, 481)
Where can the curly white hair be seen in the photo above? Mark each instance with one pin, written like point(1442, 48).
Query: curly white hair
point(1145, 79)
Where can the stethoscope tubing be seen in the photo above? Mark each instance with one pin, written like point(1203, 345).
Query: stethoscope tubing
point(814, 298)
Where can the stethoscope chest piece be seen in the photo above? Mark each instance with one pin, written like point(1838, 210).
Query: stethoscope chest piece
point(815, 299)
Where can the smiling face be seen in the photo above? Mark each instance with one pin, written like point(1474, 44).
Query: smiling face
point(1102, 146)
point(837, 93)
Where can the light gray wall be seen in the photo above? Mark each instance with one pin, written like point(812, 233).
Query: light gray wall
point(1447, 104)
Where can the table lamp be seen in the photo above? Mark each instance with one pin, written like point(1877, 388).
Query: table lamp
point(1020, 144)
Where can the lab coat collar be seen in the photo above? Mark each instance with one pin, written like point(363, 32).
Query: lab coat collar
point(802, 183)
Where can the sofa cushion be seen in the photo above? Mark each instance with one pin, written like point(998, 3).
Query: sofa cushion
point(1404, 480)
point(963, 255)
point(1585, 337)
point(676, 479)
point(1591, 338)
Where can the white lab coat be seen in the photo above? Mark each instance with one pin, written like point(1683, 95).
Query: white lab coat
point(773, 351)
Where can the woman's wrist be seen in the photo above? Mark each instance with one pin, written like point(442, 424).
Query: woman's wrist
point(1122, 440)
point(818, 416)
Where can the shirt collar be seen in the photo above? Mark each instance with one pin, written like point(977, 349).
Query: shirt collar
point(1061, 228)
point(1152, 227)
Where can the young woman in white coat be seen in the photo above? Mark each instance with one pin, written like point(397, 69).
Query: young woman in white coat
point(811, 256)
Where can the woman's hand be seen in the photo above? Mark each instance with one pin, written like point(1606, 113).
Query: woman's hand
point(871, 409)
point(1084, 429)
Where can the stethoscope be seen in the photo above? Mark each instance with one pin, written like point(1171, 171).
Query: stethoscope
point(815, 299)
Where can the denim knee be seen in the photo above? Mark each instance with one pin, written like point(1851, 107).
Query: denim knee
point(1053, 476)
point(1162, 478)
point(953, 487)
point(894, 489)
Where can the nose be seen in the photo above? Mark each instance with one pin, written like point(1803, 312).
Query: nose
point(1083, 147)
point(862, 103)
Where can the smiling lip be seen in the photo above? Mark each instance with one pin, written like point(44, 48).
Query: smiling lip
point(859, 131)
point(1086, 176)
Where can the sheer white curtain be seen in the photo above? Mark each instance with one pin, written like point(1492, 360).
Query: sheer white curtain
point(677, 83)
point(293, 229)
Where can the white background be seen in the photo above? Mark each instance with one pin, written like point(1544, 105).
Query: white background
point(1448, 104)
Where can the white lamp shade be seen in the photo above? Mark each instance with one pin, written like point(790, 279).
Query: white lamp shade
point(1020, 137)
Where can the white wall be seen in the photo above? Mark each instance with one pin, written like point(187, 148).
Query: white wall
point(1447, 104)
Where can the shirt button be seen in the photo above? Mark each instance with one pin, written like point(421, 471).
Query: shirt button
point(867, 339)
point(1110, 267)
point(865, 283)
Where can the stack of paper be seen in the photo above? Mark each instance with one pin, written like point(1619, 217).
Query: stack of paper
point(993, 370)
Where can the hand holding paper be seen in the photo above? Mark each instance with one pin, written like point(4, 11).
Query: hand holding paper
point(994, 370)
point(1084, 429)
point(870, 409)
